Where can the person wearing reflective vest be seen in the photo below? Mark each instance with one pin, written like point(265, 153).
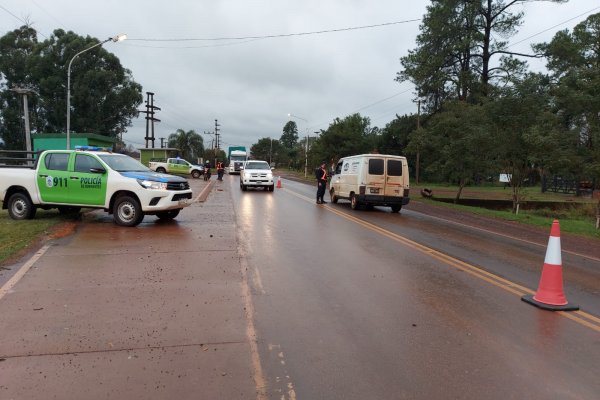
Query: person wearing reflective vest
point(220, 170)
point(321, 175)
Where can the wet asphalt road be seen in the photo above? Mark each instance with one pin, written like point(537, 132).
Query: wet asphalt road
point(267, 295)
point(359, 309)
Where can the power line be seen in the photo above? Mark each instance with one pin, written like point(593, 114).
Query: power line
point(552, 27)
point(279, 35)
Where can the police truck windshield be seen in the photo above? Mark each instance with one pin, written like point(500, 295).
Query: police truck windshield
point(121, 163)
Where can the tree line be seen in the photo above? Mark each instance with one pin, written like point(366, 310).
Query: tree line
point(484, 112)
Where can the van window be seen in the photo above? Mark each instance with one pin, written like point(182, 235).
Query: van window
point(394, 168)
point(338, 168)
point(375, 166)
point(57, 161)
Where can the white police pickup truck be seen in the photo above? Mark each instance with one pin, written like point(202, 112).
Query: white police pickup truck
point(95, 178)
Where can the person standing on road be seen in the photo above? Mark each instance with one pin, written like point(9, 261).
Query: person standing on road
point(207, 171)
point(321, 175)
point(220, 170)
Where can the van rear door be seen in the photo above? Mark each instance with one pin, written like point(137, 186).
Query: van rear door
point(375, 177)
point(394, 184)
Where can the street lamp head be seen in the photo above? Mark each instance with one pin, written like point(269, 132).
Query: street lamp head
point(119, 38)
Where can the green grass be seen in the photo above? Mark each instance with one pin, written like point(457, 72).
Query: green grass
point(15, 236)
point(571, 221)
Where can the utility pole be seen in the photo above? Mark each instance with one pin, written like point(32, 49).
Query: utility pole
point(418, 144)
point(150, 107)
point(25, 92)
point(218, 144)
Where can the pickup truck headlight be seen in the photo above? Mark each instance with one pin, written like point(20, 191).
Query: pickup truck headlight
point(152, 184)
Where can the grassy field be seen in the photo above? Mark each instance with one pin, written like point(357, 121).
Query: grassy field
point(16, 236)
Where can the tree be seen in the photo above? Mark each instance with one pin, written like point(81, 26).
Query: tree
point(289, 144)
point(574, 63)
point(344, 137)
point(521, 120)
point(460, 138)
point(189, 143)
point(456, 47)
point(269, 150)
point(104, 97)
point(16, 50)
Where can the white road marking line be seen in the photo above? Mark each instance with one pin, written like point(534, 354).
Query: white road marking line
point(22, 271)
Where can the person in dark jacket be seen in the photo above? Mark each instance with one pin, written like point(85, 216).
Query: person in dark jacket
point(321, 175)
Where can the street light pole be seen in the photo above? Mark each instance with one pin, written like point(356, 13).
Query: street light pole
point(306, 149)
point(117, 38)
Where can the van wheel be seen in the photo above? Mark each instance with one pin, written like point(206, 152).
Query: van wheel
point(127, 211)
point(21, 207)
point(354, 203)
point(334, 198)
point(196, 174)
point(396, 209)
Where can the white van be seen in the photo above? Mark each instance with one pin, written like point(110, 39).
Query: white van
point(371, 180)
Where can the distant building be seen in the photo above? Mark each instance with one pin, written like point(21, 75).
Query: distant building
point(58, 141)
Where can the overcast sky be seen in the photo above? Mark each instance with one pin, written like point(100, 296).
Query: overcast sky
point(251, 85)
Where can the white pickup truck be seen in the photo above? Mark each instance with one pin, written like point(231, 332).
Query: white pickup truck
point(177, 166)
point(72, 179)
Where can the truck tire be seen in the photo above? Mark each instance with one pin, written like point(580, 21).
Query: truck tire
point(396, 208)
point(354, 203)
point(167, 215)
point(196, 174)
point(127, 211)
point(20, 206)
point(333, 196)
point(161, 170)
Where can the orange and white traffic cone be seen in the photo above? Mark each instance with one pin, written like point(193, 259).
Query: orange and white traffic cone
point(279, 183)
point(550, 294)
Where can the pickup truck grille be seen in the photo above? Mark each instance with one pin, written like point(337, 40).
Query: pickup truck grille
point(182, 196)
point(178, 186)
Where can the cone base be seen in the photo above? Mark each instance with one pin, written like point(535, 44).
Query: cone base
point(551, 307)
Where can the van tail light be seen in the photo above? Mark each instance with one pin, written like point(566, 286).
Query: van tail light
point(362, 189)
point(406, 191)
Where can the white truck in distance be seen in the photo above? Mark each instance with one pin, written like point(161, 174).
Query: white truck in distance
point(177, 166)
point(237, 158)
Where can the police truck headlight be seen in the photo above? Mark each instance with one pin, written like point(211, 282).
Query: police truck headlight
point(152, 184)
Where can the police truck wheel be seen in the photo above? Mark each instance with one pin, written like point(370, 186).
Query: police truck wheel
point(196, 174)
point(127, 211)
point(161, 170)
point(354, 204)
point(167, 215)
point(21, 207)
